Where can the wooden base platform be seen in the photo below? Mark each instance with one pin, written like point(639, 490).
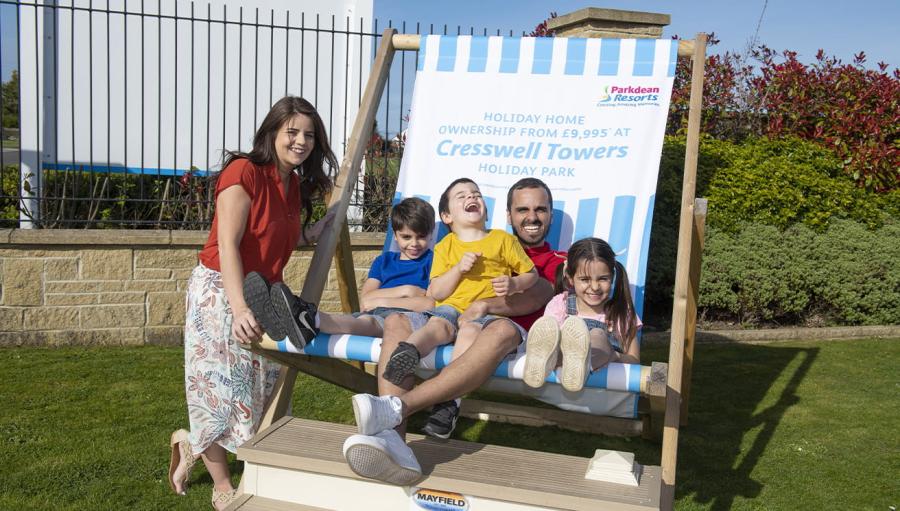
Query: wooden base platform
point(301, 461)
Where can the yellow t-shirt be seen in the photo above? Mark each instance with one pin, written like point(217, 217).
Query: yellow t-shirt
point(501, 254)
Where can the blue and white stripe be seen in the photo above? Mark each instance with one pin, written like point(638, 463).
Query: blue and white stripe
point(548, 56)
point(615, 376)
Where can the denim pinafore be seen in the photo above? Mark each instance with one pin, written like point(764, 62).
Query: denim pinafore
point(572, 310)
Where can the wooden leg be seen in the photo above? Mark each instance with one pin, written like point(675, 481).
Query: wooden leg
point(280, 400)
point(690, 327)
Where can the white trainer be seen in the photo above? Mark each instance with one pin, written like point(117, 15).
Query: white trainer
point(384, 457)
point(376, 413)
point(575, 345)
point(541, 351)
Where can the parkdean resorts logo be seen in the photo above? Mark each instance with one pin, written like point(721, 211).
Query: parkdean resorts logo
point(628, 95)
point(436, 500)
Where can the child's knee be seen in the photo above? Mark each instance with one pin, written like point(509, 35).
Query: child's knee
point(600, 339)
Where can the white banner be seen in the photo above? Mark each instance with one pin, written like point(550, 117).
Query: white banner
point(586, 116)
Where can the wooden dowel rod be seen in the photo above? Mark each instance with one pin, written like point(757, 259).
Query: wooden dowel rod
point(413, 42)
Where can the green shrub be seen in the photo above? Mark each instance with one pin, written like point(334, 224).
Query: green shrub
point(780, 183)
point(846, 275)
point(785, 182)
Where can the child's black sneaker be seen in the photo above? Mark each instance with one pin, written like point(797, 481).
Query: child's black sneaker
point(258, 298)
point(402, 363)
point(442, 420)
point(297, 316)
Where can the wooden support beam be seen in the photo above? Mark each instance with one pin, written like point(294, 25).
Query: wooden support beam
point(493, 411)
point(682, 274)
point(690, 327)
point(338, 372)
point(413, 42)
point(346, 274)
point(317, 275)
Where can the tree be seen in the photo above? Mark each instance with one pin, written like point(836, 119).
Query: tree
point(9, 94)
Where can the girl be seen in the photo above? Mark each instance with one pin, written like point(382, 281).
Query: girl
point(261, 197)
point(592, 322)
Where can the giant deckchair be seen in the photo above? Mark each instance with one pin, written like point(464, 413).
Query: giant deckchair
point(295, 460)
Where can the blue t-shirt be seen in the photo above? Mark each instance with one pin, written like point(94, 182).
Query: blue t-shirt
point(392, 271)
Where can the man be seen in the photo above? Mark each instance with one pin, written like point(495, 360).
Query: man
point(380, 452)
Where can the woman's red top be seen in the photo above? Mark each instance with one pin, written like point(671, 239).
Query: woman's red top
point(273, 223)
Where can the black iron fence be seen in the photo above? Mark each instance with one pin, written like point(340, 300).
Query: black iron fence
point(134, 141)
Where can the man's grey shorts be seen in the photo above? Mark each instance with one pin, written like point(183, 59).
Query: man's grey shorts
point(488, 318)
point(417, 320)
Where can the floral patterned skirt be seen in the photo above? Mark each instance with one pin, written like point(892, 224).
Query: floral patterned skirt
point(227, 386)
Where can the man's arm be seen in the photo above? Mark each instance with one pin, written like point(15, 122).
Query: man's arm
point(518, 304)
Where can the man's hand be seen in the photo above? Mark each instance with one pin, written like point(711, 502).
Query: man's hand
point(476, 310)
point(504, 285)
point(468, 260)
point(244, 327)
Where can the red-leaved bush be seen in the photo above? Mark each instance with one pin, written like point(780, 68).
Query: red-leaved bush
point(852, 110)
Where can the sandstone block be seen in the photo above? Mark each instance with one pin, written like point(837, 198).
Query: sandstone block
point(164, 335)
point(51, 318)
point(22, 281)
point(152, 286)
point(165, 258)
point(364, 258)
point(165, 309)
point(84, 286)
point(61, 269)
point(112, 316)
point(122, 297)
point(152, 274)
point(113, 264)
point(11, 319)
point(70, 299)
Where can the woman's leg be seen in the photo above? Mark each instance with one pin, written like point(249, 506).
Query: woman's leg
point(215, 457)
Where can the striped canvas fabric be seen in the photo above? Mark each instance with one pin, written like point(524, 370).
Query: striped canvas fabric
point(586, 116)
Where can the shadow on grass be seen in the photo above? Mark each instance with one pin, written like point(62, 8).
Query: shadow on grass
point(738, 398)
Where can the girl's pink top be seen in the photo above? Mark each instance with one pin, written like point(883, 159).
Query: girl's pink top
point(556, 309)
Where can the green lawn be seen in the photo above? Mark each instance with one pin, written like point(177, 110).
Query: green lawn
point(804, 425)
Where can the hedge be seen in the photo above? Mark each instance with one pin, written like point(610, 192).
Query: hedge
point(846, 275)
point(759, 182)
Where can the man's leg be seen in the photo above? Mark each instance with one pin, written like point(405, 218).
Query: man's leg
point(466, 373)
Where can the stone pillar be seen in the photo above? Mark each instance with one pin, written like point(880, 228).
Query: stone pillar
point(609, 23)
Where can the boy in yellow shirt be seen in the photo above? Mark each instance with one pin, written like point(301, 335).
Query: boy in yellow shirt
point(470, 263)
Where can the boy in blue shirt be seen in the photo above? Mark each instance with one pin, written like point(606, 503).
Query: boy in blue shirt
point(396, 283)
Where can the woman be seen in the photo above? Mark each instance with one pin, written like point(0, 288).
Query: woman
point(259, 198)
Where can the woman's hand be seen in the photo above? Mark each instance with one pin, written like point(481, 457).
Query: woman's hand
point(312, 234)
point(244, 327)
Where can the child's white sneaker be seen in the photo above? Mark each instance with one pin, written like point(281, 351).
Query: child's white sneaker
point(575, 345)
point(384, 456)
point(540, 351)
point(376, 413)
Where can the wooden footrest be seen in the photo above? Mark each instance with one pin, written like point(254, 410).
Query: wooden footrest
point(257, 503)
point(302, 459)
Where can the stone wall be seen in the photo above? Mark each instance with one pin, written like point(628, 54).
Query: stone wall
point(62, 287)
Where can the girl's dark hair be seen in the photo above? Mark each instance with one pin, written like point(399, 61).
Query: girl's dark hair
point(619, 309)
point(315, 179)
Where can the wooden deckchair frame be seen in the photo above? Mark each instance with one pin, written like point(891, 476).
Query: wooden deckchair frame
point(334, 244)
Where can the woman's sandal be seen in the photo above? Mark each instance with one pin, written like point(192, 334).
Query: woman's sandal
point(221, 499)
point(181, 450)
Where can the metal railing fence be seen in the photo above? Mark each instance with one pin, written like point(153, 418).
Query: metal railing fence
point(144, 159)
